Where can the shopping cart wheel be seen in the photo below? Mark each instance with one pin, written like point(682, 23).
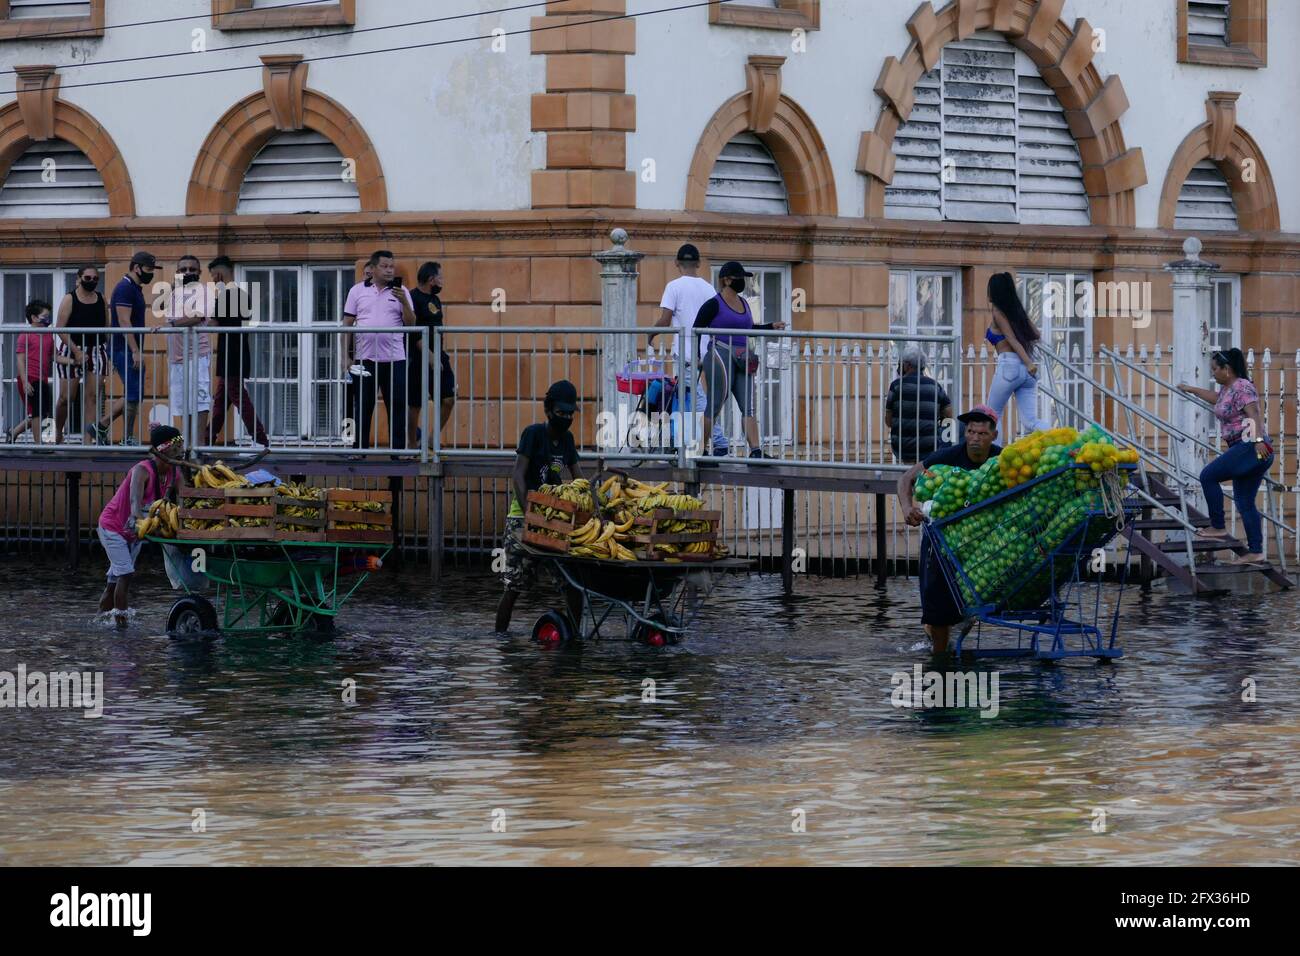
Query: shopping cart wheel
point(653, 635)
point(192, 616)
point(316, 627)
point(552, 629)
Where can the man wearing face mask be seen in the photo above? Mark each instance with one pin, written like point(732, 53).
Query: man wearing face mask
point(189, 395)
point(428, 313)
point(125, 351)
point(544, 454)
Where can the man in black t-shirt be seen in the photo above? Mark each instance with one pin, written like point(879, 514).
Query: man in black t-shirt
point(545, 453)
point(428, 313)
point(939, 606)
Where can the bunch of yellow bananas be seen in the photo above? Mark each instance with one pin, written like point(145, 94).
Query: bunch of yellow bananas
point(250, 522)
point(577, 492)
point(358, 526)
point(201, 504)
point(161, 520)
point(598, 539)
point(301, 491)
point(219, 476)
point(371, 506)
point(201, 524)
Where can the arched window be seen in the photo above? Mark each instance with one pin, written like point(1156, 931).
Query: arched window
point(746, 178)
point(53, 180)
point(987, 141)
point(297, 172)
point(1205, 201)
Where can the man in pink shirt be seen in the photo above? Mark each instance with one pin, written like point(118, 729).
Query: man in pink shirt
point(381, 304)
point(190, 390)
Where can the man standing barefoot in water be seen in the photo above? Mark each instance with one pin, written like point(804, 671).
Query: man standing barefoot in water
point(939, 608)
point(145, 483)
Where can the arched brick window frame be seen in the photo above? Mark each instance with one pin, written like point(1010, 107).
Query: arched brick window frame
point(1063, 54)
point(248, 125)
point(73, 125)
point(794, 142)
point(1234, 151)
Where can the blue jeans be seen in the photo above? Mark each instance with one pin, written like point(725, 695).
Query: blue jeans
point(1012, 378)
point(1247, 471)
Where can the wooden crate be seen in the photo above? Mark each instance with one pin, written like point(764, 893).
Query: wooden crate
point(535, 522)
point(234, 503)
point(287, 527)
point(645, 537)
point(381, 522)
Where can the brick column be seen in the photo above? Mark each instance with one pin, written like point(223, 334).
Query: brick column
point(585, 111)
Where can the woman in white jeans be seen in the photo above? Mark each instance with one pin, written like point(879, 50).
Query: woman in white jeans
point(1013, 335)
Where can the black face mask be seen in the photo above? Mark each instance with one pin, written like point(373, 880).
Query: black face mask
point(188, 277)
point(146, 277)
point(558, 424)
point(436, 288)
point(89, 284)
point(737, 285)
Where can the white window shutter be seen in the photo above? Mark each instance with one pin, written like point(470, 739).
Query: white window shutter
point(298, 172)
point(1051, 169)
point(53, 180)
point(38, 9)
point(1205, 201)
point(988, 115)
point(979, 130)
point(916, 190)
point(746, 178)
point(1207, 21)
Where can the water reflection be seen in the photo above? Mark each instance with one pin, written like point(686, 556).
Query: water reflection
point(612, 753)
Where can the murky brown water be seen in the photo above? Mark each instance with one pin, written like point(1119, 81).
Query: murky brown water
point(769, 708)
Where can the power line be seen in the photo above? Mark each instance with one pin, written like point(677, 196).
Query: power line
point(400, 49)
point(293, 39)
point(74, 34)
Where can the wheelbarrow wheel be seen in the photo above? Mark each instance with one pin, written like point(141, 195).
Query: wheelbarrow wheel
point(192, 616)
point(553, 629)
point(653, 635)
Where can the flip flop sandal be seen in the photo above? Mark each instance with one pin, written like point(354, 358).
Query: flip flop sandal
point(1203, 534)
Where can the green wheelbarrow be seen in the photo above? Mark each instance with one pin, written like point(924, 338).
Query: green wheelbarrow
point(263, 587)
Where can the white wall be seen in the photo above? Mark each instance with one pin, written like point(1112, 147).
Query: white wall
point(451, 123)
point(685, 69)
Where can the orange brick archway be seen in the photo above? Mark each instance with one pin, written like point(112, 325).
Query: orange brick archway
point(246, 128)
point(75, 126)
point(1063, 55)
point(1256, 202)
point(795, 144)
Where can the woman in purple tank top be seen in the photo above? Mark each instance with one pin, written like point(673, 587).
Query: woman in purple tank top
point(726, 367)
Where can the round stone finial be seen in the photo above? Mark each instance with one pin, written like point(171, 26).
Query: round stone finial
point(1192, 248)
point(619, 236)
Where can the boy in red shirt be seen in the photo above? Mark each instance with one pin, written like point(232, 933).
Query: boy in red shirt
point(34, 374)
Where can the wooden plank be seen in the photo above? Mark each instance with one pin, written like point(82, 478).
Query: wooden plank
point(546, 542)
point(360, 517)
point(346, 536)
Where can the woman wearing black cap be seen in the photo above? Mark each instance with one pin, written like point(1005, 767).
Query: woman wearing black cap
point(729, 365)
point(145, 483)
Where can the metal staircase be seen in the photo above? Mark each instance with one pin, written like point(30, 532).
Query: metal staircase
point(1167, 481)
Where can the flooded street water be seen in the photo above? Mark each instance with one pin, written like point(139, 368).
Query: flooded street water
point(770, 707)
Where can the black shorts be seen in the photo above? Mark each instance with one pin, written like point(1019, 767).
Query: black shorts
point(415, 380)
point(938, 604)
point(40, 404)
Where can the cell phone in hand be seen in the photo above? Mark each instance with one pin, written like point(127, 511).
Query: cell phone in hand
point(395, 282)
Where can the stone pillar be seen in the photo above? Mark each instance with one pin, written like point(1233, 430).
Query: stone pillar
point(618, 275)
point(1192, 305)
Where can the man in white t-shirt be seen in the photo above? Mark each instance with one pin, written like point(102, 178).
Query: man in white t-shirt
point(189, 392)
point(680, 304)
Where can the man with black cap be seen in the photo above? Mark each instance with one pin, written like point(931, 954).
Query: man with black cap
point(939, 607)
point(145, 483)
point(127, 307)
point(678, 307)
point(545, 453)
